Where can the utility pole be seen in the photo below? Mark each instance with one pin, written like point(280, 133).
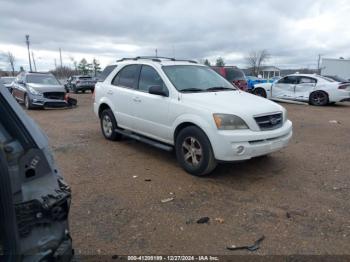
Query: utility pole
point(34, 61)
point(318, 64)
point(27, 42)
point(60, 57)
point(156, 52)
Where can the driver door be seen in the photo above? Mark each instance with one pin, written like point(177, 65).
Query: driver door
point(284, 88)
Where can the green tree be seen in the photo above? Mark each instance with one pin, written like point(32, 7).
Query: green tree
point(206, 62)
point(96, 66)
point(84, 67)
point(220, 62)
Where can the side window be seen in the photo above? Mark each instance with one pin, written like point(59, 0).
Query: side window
point(307, 80)
point(288, 80)
point(149, 77)
point(127, 76)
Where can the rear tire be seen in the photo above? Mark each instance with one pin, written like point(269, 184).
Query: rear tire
point(108, 125)
point(259, 92)
point(194, 152)
point(318, 98)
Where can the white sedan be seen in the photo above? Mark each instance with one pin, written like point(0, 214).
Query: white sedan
point(314, 89)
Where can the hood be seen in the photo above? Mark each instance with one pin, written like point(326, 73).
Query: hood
point(232, 102)
point(47, 88)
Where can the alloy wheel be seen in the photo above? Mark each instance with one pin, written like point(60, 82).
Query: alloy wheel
point(192, 151)
point(107, 125)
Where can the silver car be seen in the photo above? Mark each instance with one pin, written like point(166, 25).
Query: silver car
point(39, 90)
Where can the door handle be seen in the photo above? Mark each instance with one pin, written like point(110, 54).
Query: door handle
point(136, 99)
point(110, 92)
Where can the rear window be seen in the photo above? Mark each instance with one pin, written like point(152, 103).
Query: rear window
point(85, 77)
point(234, 74)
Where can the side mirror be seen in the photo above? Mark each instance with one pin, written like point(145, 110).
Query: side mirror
point(157, 90)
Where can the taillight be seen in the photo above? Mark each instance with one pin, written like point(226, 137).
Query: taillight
point(344, 86)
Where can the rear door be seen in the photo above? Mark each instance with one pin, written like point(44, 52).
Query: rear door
point(122, 91)
point(304, 87)
point(284, 88)
point(151, 110)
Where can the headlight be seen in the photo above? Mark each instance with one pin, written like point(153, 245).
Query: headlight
point(33, 91)
point(229, 122)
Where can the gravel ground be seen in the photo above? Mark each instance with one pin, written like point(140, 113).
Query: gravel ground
point(298, 197)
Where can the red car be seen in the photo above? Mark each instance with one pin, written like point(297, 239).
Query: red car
point(234, 75)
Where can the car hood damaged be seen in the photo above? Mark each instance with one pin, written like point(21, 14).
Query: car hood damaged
point(47, 88)
point(38, 197)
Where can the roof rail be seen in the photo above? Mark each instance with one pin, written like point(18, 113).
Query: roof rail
point(156, 59)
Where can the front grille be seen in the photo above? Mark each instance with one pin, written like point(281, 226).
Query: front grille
point(55, 104)
point(54, 95)
point(269, 122)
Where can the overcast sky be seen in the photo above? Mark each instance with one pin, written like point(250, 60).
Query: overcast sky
point(294, 32)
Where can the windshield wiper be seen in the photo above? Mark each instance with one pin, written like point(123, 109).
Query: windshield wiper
point(192, 90)
point(219, 88)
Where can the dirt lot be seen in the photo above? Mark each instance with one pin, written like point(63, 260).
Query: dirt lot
point(298, 197)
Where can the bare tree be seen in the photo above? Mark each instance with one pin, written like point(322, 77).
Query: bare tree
point(11, 60)
point(255, 60)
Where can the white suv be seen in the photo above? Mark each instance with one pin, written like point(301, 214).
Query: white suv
point(180, 104)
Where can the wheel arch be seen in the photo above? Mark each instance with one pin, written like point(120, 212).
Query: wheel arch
point(103, 106)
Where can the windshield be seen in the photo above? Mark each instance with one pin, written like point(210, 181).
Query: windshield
point(42, 79)
point(7, 80)
point(234, 74)
point(193, 78)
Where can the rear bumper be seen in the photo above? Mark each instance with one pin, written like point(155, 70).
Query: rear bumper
point(246, 144)
point(84, 87)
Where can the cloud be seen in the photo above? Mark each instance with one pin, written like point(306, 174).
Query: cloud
point(294, 32)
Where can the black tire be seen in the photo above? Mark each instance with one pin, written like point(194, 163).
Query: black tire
point(83, 91)
point(196, 164)
point(74, 90)
point(27, 103)
point(318, 98)
point(260, 92)
point(107, 118)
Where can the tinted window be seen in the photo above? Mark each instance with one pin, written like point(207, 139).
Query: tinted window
point(85, 77)
point(234, 74)
point(149, 77)
point(106, 72)
point(127, 76)
point(306, 80)
point(288, 80)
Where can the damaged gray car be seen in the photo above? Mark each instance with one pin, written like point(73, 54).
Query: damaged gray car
point(39, 90)
point(34, 198)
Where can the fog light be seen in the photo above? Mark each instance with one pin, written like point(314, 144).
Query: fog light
point(239, 150)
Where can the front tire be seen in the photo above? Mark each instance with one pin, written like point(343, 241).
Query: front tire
point(27, 102)
point(318, 98)
point(194, 152)
point(108, 125)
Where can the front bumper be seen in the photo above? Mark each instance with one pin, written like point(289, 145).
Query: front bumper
point(245, 144)
point(45, 102)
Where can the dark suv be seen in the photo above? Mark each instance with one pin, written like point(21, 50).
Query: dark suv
point(234, 75)
point(80, 83)
point(34, 199)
